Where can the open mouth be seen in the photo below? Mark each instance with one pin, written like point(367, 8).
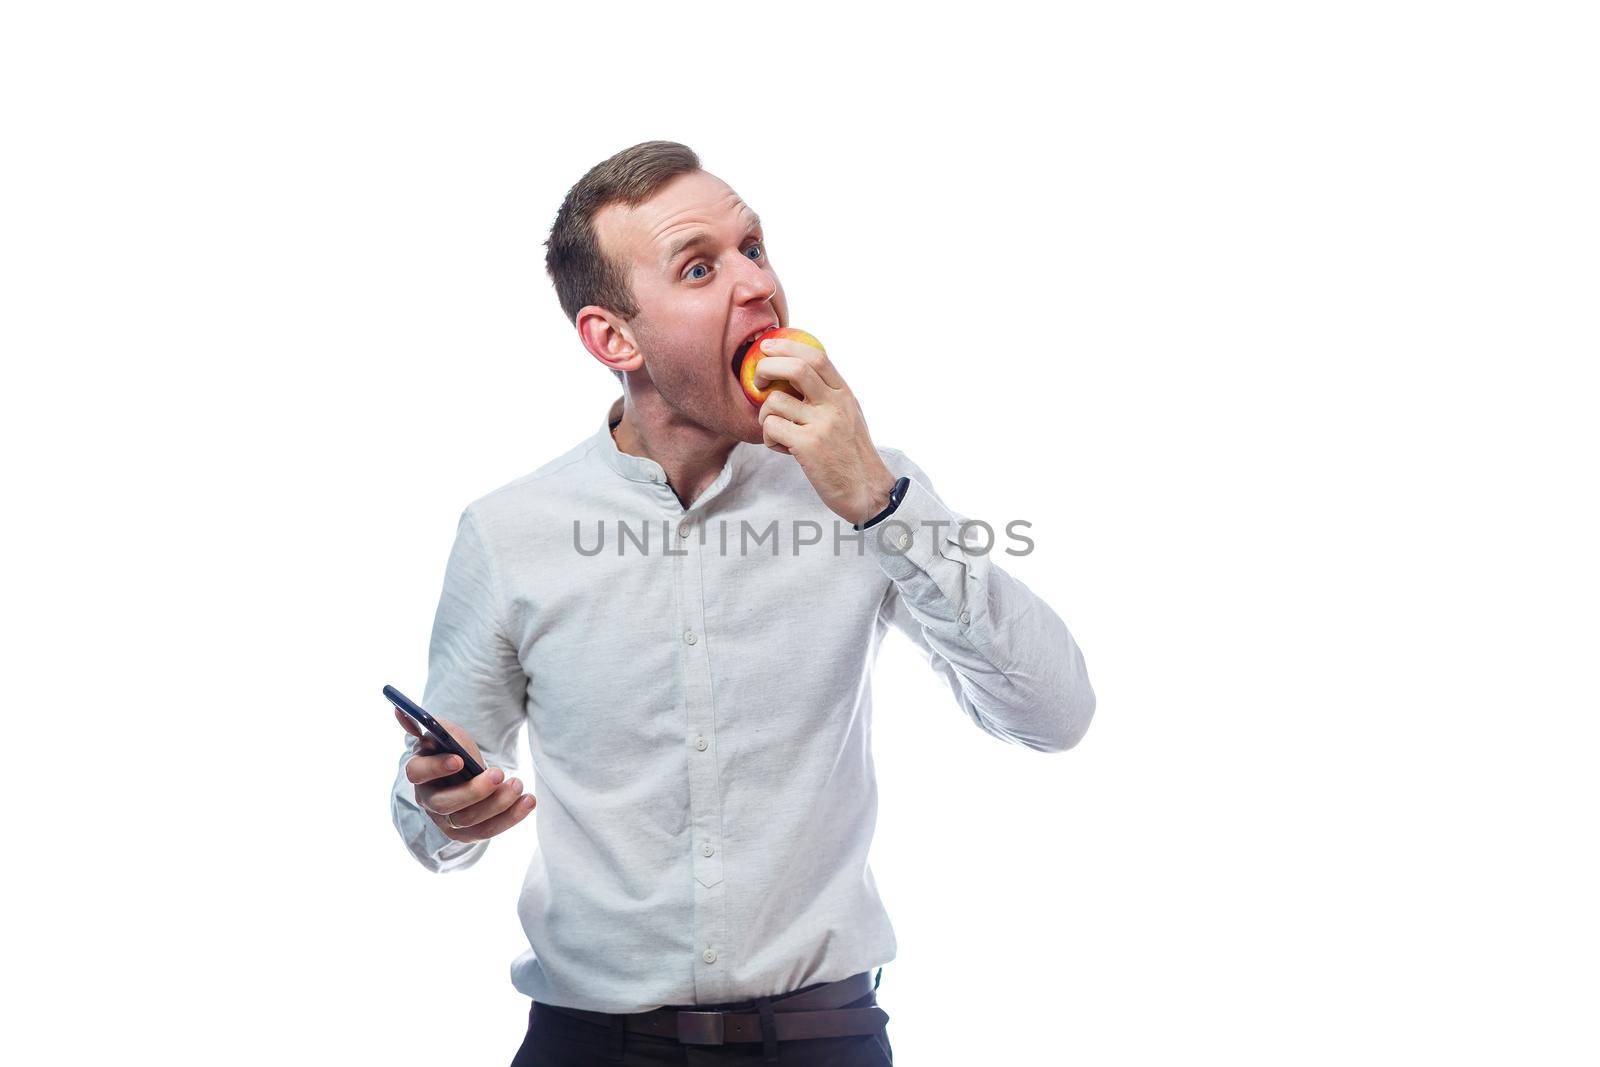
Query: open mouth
point(744, 346)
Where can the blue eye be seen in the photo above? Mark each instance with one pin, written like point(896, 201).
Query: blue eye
point(691, 276)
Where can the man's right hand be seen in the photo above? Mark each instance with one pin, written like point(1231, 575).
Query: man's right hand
point(472, 811)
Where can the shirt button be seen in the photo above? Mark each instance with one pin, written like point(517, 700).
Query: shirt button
point(709, 956)
point(688, 635)
point(701, 743)
point(966, 617)
point(905, 540)
point(683, 529)
point(706, 849)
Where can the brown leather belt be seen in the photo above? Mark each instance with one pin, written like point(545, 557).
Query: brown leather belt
point(815, 1012)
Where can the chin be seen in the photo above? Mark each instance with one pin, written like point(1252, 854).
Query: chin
point(751, 436)
point(742, 427)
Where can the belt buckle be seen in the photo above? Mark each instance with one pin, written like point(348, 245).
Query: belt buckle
point(700, 1027)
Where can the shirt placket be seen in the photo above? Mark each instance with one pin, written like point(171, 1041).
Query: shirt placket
point(705, 794)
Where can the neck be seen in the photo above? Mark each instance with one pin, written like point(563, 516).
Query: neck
point(691, 455)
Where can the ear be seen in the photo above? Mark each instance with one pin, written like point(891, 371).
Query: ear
point(608, 339)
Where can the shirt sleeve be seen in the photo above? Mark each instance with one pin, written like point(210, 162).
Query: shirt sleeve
point(1009, 660)
point(475, 680)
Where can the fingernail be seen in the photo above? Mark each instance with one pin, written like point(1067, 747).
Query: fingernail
point(497, 776)
point(516, 785)
point(527, 801)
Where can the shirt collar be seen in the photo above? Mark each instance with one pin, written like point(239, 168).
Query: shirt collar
point(643, 469)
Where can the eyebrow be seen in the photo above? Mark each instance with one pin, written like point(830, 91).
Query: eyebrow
point(700, 237)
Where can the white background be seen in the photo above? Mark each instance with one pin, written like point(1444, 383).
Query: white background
point(1277, 321)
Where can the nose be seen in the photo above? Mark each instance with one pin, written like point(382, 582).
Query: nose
point(755, 282)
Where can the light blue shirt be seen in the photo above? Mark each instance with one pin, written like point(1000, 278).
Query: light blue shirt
point(697, 691)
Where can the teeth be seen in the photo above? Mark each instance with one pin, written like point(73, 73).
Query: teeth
point(744, 346)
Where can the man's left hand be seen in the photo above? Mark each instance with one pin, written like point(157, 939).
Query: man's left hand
point(824, 430)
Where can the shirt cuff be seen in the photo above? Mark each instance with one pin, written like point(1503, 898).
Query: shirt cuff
point(910, 539)
point(422, 835)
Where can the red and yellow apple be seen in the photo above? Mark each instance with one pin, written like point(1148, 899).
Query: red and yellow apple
point(753, 355)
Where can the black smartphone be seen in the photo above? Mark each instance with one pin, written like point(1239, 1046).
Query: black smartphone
point(469, 766)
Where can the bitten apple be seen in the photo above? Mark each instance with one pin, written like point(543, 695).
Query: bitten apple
point(753, 355)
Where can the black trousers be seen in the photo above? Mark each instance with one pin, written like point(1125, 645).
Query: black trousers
point(556, 1039)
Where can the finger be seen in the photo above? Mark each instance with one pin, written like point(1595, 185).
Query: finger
point(816, 357)
point(781, 430)
point(427, 768)
point(772, 443)
point(447, 799)
point(405, 720)
point(502, 798)
point(780, 403)
point(797, 372)
point(499, 824)
point(462, 737)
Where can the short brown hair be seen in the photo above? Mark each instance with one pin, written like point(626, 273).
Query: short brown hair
point(578, 267)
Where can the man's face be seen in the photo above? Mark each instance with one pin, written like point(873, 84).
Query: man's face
point(703, 285)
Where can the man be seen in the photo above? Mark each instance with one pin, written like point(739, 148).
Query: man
point(699, 710)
